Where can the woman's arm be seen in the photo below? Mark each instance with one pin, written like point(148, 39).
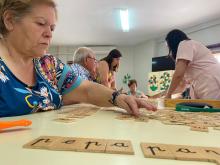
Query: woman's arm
point(103, 71)
point(113, 84)
point(97, 94)
point(178, 75)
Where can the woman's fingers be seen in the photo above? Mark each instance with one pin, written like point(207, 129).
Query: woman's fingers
point(123, 104)
point(143, 103)
point(132, 104)
point(128, 103)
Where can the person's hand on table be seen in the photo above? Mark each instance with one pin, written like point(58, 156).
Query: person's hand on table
point(168, 95)
point(132, 104)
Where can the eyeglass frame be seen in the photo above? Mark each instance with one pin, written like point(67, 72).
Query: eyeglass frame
point(96, 61)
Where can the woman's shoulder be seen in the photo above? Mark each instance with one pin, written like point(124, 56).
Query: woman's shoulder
point(195, 45)
point(190, 43)
point(186, 45)
point(103, 64)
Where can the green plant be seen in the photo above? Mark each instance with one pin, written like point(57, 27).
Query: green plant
point(126, 78)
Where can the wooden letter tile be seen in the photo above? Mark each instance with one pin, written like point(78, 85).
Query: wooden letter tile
point(182, 152)
point(65, 144)
point(217, 161)
point(211, 153)
point(154, 150)
point(197, 127)
point(119, 147)
point(142, 119)
point(43, 142)
point(91, 145)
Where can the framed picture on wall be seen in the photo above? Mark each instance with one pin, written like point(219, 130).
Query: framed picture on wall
point(159, 81)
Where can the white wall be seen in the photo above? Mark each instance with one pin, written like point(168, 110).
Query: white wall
point(207, 36)
point(126, 66)
point(143, 54)
point(64, 53)
point(208, 33)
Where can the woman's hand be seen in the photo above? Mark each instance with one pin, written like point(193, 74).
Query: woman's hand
point(93, 93)
point(132, 104)
point(168, 95)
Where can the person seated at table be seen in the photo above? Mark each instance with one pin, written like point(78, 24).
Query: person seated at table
point(84, 63)
point(107, 67)
point(31, 81)
point(132, 84)
point(196, 62)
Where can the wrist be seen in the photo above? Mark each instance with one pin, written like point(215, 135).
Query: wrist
point(114, 97)
point(169, 93)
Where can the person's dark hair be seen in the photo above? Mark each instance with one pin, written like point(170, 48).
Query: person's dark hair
point(173, 39)
point(133, 81)
point(112, 54)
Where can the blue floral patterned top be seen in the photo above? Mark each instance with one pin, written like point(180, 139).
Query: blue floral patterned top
point(53, 79)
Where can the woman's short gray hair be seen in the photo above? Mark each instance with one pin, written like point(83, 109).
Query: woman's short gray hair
point(81, 53)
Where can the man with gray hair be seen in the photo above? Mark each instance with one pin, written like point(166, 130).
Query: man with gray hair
point(84, 63)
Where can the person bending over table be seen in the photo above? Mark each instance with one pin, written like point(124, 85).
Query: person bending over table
point(195, 62)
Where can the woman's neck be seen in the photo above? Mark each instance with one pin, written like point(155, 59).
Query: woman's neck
point(18, 63)
point(9, 53)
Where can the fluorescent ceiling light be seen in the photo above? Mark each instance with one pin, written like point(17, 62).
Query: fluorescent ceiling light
point(124, 20)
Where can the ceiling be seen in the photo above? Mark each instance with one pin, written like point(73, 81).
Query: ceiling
point(96, 22)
